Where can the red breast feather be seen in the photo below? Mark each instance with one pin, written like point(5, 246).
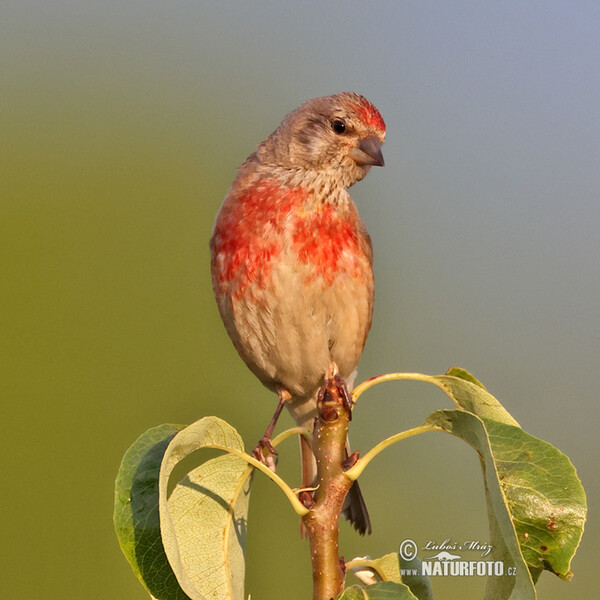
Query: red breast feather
point(293, 283)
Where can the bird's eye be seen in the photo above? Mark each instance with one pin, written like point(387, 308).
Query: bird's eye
point(338, 126)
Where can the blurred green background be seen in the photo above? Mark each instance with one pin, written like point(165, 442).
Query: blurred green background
point(121, 126)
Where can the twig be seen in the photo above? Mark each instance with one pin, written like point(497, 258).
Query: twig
point(322, 520)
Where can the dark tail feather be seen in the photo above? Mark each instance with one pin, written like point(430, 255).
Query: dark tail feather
point(355, 510)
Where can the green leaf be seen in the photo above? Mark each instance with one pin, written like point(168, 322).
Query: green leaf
point(506, 548)
point(136, 515)
point(467, 393)
point(464, 374)
point(545, 498)
point(536, 504)
point(419, 584)
point(384, 590)
point(370, 571)
point(543, 493)
point(203, 521)
point(389, 568)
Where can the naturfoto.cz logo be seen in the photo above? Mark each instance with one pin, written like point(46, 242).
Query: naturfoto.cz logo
point(448, 564)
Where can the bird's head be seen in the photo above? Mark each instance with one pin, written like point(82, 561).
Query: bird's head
point(339, 136)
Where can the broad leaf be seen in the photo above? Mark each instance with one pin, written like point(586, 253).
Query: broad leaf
point(203, 521)
point(419, 584)
point(467, 393)
point(545, 498)
point(136, 515)
point(372, 570)
point(464, 374)
point(536, 504)
point(506, 548)
point(384, 590)
point(390, 568)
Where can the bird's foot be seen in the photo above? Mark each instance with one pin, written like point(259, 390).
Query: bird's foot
point(337, 384)
point(265, 452)
point(345, 394)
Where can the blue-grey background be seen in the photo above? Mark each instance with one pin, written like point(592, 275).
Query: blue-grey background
point(122, 124)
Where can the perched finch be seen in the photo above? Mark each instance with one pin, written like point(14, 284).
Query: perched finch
point(292, 261)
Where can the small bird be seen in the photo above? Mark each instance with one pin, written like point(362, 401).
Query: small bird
point(291, 260)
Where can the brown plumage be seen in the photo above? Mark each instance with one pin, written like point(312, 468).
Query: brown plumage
point(292, 261)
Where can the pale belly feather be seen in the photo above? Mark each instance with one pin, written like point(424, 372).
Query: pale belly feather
point(291, 329)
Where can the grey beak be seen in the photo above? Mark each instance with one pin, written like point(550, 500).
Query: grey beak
point(368, 152)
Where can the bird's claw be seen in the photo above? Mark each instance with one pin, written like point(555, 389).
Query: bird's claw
point(345, 394)
point(339, 385)
point(265, 452)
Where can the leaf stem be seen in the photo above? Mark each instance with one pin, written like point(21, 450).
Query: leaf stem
point(287, 490)
point(289, 433)
point(355, 471)
point(369, 383)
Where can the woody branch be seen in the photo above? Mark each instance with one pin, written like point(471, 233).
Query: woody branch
point(322, 520)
